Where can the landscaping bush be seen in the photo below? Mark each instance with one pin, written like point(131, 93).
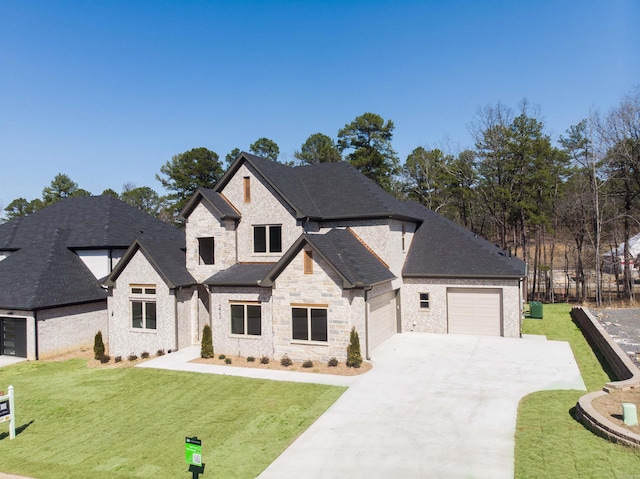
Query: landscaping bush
point(285, 361)
point(354, 356)
point(333, 362)
point(117, 359)
point(222, 356)
point(132, 357)
point(307, 364)
point(105, 358)
point(264, 360)
point(160, 352)
point(251, 359)
point(144, 355)
point(227, 360)
point(206, 348)
point(98, 346)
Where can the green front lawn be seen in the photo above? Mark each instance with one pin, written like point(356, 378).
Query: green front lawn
point(549, 442)
point(76, 421)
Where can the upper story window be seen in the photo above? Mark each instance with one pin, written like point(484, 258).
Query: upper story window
point(246, 181)
point(267, 239)
point(206, 251)
point(143, 306)
point(404, 242)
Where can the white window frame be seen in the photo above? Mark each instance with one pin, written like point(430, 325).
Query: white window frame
point(245, 319)
point(145, 294)
point(422, 301)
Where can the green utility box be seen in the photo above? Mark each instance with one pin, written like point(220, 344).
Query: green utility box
point(535, 308)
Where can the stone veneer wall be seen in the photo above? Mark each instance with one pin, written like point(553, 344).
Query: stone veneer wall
point(242, 345)
point(323, 287)
point(123, 339)
point(70, 328)
point(435, 319)
point(202, 223)
point(264, 209)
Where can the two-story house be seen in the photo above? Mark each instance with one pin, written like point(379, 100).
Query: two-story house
point(288, 259)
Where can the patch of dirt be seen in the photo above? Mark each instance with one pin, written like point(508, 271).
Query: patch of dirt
point(610, 406)
point(318, 368)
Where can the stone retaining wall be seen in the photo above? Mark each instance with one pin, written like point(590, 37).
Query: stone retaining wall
point(624, 369)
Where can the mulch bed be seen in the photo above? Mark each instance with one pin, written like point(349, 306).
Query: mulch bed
point(610, 406)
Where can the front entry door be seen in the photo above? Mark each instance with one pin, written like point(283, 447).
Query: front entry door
point(13, 337)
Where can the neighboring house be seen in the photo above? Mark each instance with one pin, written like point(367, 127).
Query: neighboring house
point(614, 259)
point(286, 260)
point(51, 264)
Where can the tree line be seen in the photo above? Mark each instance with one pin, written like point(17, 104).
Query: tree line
point(559, 204)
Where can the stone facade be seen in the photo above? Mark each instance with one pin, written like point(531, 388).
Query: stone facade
point(434, 320)
point(265, 208)
point(202, 223)
point(171, 332)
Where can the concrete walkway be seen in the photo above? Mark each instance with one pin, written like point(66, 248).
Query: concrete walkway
point(434, 406)
point(7, 360)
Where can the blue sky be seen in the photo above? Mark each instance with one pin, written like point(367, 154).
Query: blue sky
point(106, 92)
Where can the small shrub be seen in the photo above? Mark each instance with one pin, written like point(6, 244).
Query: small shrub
point(206, 348)
point(132, 357)
point(264, 360)
point(144, 355)
point(222, 356)
point(354, 356)
point(105, 358)
point(251, 359)
point(307, 364)
point(117, 359)
point(227, 360)
point(160, 352)
point(333, 362)
point(286, 361)
point(98, 346)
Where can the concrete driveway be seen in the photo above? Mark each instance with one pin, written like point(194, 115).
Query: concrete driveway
point(434, 406)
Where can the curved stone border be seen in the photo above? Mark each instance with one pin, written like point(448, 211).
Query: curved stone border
point(600, 425)
point(621, 365)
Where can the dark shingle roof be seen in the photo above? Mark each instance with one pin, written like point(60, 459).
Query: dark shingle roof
point(326, 191)
point(44, 272)
point(91, 222)
point(46, 275)
point(167, 258)
point(215, 200)
point(442, 248)
point(241, 274)
point(357, 266)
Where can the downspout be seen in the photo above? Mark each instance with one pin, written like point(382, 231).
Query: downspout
point(175, 313)
point(366, 323)
point(35, 322)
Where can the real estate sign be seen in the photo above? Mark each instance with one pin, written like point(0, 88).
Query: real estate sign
point(193, 451)
point(7, 411)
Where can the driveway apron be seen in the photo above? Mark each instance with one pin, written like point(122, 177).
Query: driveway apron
point(433, 406)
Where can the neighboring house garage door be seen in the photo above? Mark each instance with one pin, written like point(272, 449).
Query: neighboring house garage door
point(13, 337)
point(382, 318)
point(475, 311)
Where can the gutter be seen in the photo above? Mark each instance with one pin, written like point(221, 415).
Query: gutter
point(35, 321)
point(366, 323)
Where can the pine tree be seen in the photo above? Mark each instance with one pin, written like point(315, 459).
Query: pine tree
point(206, 349)
point(98, 346)
point(354, 357)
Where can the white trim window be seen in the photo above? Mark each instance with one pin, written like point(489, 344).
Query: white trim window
point(309, 324)
point(246, 319)
point(142, 306)
point(425, 301)
point(267, 239)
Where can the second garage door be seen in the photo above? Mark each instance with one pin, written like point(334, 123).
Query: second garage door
point(382, 318)
point(475, 311)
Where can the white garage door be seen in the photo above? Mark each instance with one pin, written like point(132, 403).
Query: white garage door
point(382, 318)
point(475, 311)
